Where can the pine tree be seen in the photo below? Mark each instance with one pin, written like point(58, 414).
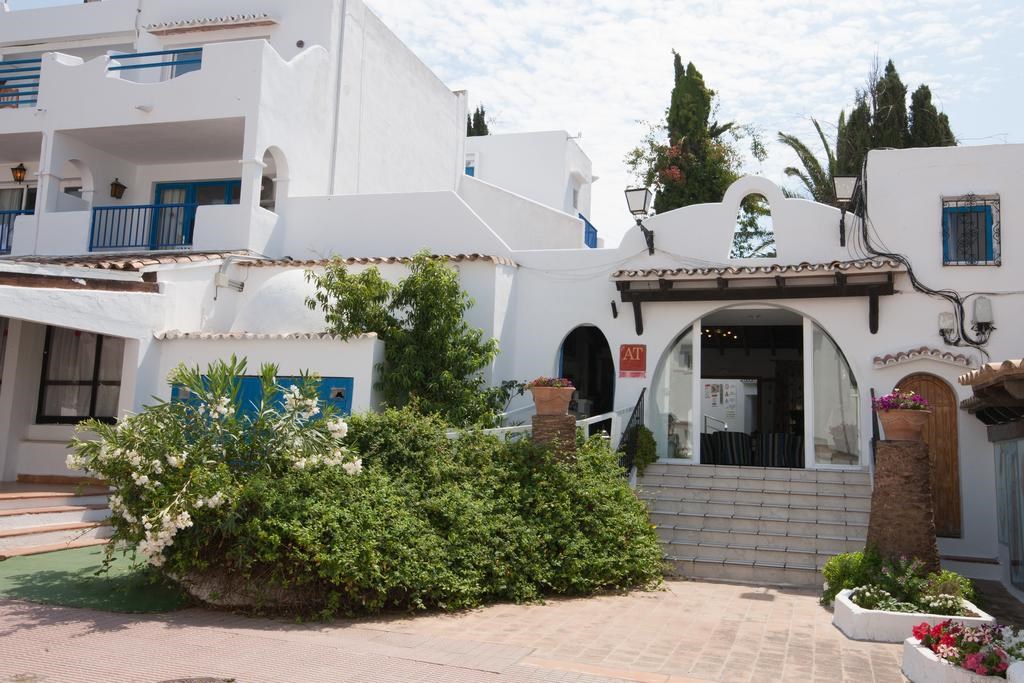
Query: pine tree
point(856, 140)
point(889, 123)
point(477, 123)
point(928, 128)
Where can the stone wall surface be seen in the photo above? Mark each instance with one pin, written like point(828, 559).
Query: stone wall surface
point(902, 521)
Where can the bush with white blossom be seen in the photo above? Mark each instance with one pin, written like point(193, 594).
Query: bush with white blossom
point(177, 467)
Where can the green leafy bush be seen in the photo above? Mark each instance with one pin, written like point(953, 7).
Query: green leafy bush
point(898, 585)
point(277, 499)
point(646, 449)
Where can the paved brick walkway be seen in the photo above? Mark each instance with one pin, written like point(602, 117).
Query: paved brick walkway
point(687, 633)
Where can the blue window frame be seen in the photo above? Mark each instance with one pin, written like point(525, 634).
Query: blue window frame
point(335, 391)
point(470, 170)
point(969, 232)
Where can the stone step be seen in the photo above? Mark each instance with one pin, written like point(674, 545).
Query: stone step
point(52, 534)
point(728, 508)
point(764, 554)
point(798, 499)
point(758, 524)
point(739, 571)
point(834, 476)
point(52, 547)
point(19, 518)
point(48, 499)
point(831, 544)
point(764, 485)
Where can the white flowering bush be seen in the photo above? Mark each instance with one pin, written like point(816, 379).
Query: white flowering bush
point(179, 467)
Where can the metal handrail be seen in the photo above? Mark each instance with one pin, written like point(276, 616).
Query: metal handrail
point(20, 90)
point(157, 64)
point(142, 226)
point(7, 219)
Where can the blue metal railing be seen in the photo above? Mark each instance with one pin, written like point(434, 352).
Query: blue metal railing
point(7, 228)
point(589, 233)
point(19, 83)
point(156, 60)
point(144, 226)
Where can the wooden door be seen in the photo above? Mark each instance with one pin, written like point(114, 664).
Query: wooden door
point(940, 433)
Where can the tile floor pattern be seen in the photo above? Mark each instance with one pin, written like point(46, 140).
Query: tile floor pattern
point(687, 633)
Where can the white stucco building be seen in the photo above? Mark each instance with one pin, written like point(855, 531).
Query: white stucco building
point(254, 140)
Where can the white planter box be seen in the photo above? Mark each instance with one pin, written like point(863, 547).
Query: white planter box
point(877, 626)
point(921, 665)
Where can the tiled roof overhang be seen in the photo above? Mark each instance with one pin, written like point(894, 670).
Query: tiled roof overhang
point(167, 28)
point(376, 260)
point(171, 335)
point(127, 262)
point(998, 393)
point(922, 353)
point(869, 278)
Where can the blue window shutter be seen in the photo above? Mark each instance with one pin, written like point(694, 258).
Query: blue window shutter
point(947, 235)
point(989, 237)
point(471, 171)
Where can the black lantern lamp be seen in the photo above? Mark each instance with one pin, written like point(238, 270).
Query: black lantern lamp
point(639, 201)
point(117, 189)
point(18, 173)
point(845, 188)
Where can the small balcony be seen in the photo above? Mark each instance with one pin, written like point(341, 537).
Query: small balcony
point(19, 83)
point(144, 227)
point(7, 219)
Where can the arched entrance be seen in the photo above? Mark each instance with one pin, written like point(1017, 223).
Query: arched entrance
point(586, 359)
point(757, 385)
point(941, 435)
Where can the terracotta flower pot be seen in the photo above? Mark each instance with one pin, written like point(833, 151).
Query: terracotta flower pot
point(552, 400)
point(902, 424)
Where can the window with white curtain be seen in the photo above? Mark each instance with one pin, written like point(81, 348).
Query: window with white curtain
point(81, 376)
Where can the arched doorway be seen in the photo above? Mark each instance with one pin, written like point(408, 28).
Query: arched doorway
point(586, 359)
point(940, 433)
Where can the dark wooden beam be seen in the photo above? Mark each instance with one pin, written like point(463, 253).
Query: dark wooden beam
point(1006, 432)
point(722, 283)
point(37, 281)
point(720, 293)
point(873, 312)
point(638, 318)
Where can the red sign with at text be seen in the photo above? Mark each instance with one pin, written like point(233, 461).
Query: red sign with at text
point(633, 360)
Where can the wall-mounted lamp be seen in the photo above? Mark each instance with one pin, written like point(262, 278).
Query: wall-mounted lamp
point(983, 318)
point(18, 173)
point(845, 188)
point(639, 201)
point(982, 325)
point(117, 189)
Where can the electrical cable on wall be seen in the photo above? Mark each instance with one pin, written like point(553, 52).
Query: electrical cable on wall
point(953, 297)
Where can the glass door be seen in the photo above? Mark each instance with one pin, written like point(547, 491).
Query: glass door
point(174, 215)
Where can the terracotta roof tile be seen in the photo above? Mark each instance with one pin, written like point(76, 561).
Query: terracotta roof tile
point(920, 353)
point(374, 260)
point(122, 262)
point(994, 372)
point(235, 336)
point(228, 21)
point(881, 265)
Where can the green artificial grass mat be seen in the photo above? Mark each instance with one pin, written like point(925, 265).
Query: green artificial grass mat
point(68, 578)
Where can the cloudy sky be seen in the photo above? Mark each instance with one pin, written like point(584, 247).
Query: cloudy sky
point(598, 67)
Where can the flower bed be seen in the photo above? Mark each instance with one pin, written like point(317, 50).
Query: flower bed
point(883, 626)
point(949, 651)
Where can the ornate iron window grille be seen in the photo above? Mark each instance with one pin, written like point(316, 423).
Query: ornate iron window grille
point(971, 230)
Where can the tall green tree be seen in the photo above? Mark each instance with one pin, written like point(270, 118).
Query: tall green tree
point(854, 138)
point(476, 123)
point(928, 126)
point(692, 158)
point(889, 121)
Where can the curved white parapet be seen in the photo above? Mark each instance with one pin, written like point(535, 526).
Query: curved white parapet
point(877, 626)
point(921, 665)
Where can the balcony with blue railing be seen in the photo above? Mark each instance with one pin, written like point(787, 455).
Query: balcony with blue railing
point(144, 227)
point(19, 83)
point(7, 219)
point(589, 233)
point(157, 66)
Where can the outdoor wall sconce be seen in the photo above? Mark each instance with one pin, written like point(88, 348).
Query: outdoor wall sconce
point(117, 189)
point(639, 201)
point(845, 188)
point(18, 173)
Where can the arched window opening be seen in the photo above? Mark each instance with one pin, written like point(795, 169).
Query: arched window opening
point(586, 359)
point(274, 184)
point(754, 236)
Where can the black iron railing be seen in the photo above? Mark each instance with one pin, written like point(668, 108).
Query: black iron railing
point(627, 444)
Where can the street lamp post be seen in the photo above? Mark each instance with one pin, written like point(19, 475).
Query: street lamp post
point(639, 201)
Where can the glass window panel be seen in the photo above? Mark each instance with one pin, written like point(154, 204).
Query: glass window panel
point(111, 359)
point(673, 401)
point(836, 405)
point(67, 401)
point(72, 356)
point(106, 400)
point(10, 199)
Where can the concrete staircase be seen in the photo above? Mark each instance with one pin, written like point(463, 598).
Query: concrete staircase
point(769, 526)
point(38, 518)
